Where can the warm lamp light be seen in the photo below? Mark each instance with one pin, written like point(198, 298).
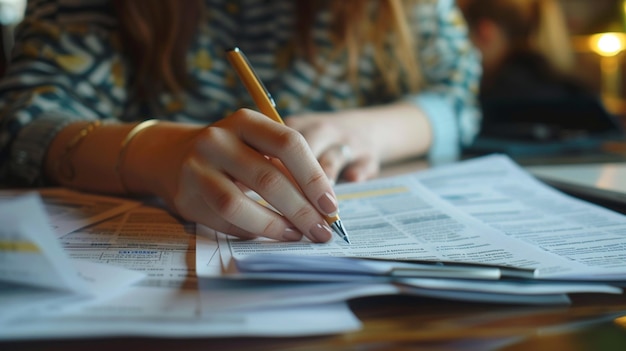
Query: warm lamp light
point(605, 36)
point(607, 44)
point(609, 47)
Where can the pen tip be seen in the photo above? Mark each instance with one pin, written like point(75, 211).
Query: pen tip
point(340, 230)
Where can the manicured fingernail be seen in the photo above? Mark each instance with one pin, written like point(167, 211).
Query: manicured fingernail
point(291, 234)
point(321, 232)
point(328, 204)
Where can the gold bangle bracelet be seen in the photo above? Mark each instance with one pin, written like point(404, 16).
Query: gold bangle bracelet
point(65, 168)
point(138, 128)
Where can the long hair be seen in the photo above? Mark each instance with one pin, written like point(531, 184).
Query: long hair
point(157, 34)
point(536, 25)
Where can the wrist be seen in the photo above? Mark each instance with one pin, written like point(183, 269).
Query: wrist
point(151, 163)
point(83, 156)
point(121, 157)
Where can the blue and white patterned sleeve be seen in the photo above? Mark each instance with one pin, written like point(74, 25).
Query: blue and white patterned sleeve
point(65, 67)
point(451, 72)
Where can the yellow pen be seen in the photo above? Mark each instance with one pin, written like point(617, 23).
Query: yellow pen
point(264, 101)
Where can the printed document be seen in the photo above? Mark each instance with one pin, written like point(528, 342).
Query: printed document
point(36, 275)
point(70, 210)
point(487, 211)
point(151, 242)
point(500, 194)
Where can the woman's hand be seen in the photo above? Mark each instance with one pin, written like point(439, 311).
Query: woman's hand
point(344, 148)
point(202, 173)
point(353, 144)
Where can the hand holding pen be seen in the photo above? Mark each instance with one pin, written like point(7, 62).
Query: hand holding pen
point(267, 106)
point(203, 172)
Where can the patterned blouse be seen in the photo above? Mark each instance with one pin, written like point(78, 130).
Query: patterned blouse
point(67, 66)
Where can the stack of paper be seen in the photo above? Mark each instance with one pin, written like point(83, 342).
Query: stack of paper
point(480, 230)
point(36, 276)
point(132, 274)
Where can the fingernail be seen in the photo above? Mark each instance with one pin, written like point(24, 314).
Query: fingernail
point(328, 204)
point(321, 232)
point(291, 234)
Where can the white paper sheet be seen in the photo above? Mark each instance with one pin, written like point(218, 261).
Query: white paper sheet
point(500, 194)
point(398, 218)
point(38, 277)
point(236, 295)
point(279, 289)
point(485, 211)
point(167, 302)
point(102, 282)
point(29, 251)
point(167, 312)
point(70, 210)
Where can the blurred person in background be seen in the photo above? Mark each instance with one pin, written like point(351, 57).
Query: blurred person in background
point(528, 90)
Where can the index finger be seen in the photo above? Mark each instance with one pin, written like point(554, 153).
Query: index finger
point(290, 147)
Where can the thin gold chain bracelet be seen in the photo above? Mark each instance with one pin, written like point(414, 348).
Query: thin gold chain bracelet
point(65, 168)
